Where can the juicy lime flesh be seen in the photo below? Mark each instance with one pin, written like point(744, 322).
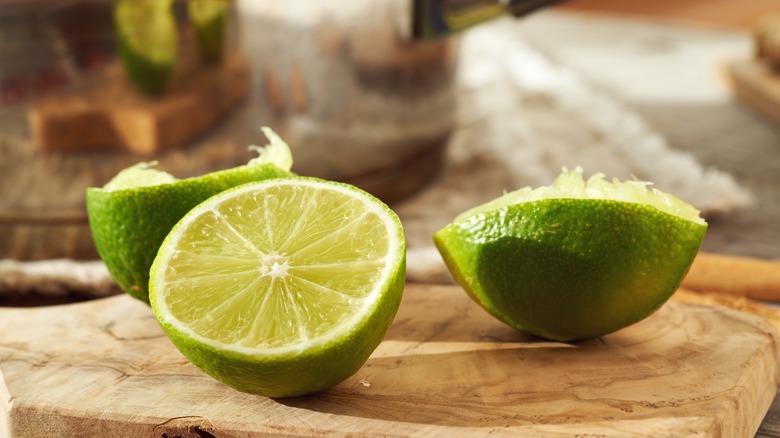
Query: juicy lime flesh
point(281, 288)
point(570, 184)
point(570, 268)
point(139, 175)
point(280, 275)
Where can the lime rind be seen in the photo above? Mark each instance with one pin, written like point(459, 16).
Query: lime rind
point(568, 268)
point(570, 184)
point(576, 259)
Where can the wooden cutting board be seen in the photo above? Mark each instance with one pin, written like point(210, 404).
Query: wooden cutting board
point(446, 368)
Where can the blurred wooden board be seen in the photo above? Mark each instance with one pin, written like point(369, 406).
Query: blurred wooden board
point(721, 13)
point(749, 277)
point(104, 368)
point(755, 85)
point(42, 207)
point(93, 132)
point(108, 113)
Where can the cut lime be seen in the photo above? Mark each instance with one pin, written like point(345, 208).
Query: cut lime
point(208, 18)
point(131, 215)
point(574, 260)
point(282, 287)
point(147, 40)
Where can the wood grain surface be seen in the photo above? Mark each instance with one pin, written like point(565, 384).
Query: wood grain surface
point(104, 368)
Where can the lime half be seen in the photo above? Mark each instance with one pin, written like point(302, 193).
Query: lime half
point(574, 260)
point(283, 287)
point(131, 215)
point(147, 40)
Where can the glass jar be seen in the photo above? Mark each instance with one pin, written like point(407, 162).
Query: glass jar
point(356, 99)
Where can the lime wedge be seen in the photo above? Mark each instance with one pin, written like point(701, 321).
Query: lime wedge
point(147, 40)
point(578, 259)
point(282, 287)
point(131, 215)
point(208, 18)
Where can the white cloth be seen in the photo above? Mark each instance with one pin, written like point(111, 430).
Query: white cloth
point(523, 117)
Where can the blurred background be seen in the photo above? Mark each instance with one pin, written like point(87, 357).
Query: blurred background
point(657, 90)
